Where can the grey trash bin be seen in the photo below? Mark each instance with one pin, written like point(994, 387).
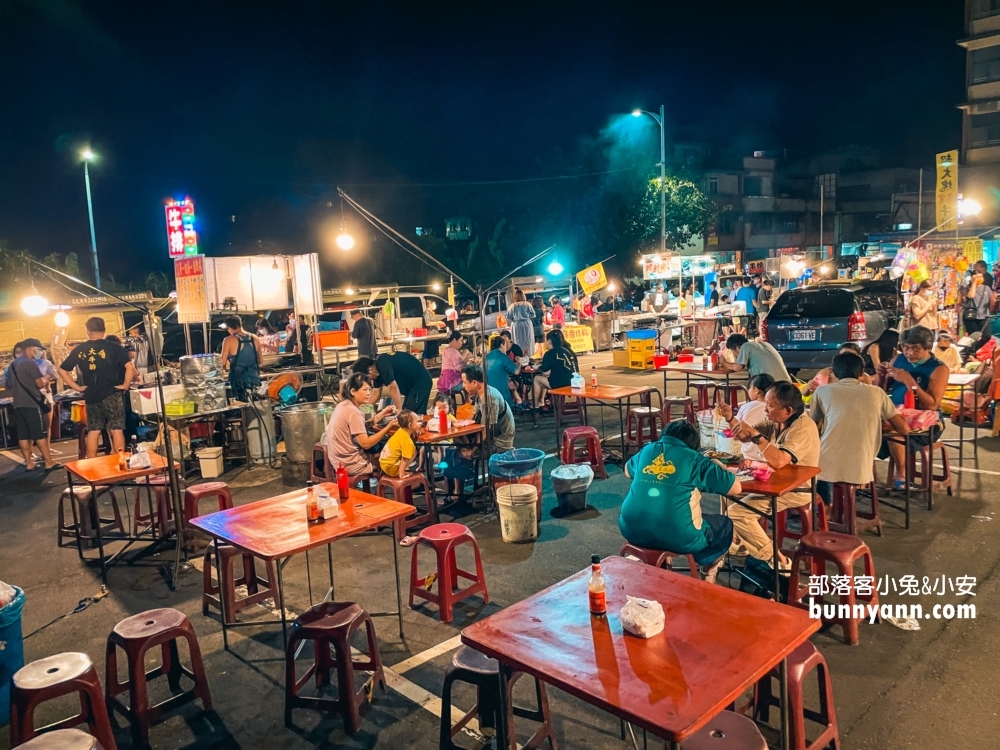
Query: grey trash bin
point(571, 483)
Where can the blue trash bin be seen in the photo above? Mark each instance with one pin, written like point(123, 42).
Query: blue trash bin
point(11, 650)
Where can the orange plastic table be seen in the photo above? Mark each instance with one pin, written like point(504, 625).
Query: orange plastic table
point(276, 528)
point(782, 480)
point(603, 395)
point(427, 437)
point(103, 472)
point(687, 369)
point(717, 642)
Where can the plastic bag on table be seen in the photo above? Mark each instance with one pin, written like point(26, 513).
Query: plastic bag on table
point(642, 617)
point(706, 427)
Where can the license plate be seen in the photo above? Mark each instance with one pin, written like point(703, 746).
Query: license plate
point(808, 334)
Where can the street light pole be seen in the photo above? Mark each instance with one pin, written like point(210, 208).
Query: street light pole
point(87, 156)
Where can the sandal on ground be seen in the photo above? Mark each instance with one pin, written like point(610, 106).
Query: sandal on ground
point(407, 541)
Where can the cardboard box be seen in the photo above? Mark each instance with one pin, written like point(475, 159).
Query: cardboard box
point(146, 400)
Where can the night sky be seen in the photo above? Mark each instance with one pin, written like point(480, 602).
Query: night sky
point(259, 110)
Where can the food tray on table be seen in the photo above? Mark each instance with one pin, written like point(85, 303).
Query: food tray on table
point(726, 458)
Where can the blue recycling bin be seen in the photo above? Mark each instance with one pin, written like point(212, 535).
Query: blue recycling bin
point(11, 650)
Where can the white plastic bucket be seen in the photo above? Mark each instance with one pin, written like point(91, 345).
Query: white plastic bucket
point(211, 462)
point(518, 513)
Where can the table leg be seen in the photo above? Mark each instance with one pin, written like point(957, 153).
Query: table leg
point(907, 478)
point(309, 582)
point(505, 737)
point(281, 605)
point(100, 536)
point(395, 567)
point(222, 599)
point(774, 543)
point(329, 561)
point(621, 428)
point(961, 427)
point(77, 518)
point(783, 688)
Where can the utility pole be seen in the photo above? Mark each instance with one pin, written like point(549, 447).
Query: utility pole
point(87, 156)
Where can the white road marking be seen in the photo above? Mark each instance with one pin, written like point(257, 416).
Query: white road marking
point(425, 656)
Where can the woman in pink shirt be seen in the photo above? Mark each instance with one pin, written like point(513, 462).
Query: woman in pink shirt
point(451, 364)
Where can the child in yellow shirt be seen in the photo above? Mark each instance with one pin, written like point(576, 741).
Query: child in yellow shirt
point(400, 450)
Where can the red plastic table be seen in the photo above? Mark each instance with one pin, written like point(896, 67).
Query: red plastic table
point(603, 395)
point(717, 643)
point(276, 528)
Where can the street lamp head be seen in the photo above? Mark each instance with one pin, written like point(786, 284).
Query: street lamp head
point(969, 207)
point(436, 287)
point(87, 155)
point(34, 304)
point(636, 113)
point(555, 268)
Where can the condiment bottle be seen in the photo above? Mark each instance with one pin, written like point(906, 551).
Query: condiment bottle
point(312, 504)
point(442, 419)
point(122, 463)
point(343, 483)
point(593, 376)
point(596, 589)
point(704, 361)
point(910, 398)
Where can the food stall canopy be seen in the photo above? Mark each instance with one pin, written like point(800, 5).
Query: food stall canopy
point(255, 283)
point(656, 266)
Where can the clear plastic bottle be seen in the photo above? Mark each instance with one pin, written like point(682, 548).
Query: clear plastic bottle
point(596, 588)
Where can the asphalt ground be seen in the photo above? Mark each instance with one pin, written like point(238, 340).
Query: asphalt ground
point(898, 689)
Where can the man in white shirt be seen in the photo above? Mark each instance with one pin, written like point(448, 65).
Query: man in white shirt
point(850, 416)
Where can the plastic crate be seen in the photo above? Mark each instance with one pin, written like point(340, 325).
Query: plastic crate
point(323, 339)
point(180, 408)
point(641, 333)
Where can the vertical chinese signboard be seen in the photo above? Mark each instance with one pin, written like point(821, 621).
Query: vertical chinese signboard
point(182, 240)
point(946, 193)
point(192, 300)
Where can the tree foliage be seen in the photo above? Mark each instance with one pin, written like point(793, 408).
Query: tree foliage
point(689, 212)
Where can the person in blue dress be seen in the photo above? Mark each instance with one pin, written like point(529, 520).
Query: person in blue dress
point(521, 316)
point(915, 369)
point(662, 509)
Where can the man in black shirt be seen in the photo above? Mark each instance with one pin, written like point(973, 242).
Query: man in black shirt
point(713, 295)
point(364, 332)
point(513, 350)
point(25, 381)
point(407, 379)
point(105, 370)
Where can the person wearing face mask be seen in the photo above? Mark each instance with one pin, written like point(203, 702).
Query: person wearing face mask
point(923, 307)
point(947, 352)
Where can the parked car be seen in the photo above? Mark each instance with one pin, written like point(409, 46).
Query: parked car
point(807, 324)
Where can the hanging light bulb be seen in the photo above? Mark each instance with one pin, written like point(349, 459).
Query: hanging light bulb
point(344, 240)
point(62, 319)
point(34, 304)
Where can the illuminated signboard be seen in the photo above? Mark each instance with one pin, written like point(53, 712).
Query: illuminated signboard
point(182, 240)
point(660, 267)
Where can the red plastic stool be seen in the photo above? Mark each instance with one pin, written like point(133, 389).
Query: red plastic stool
point(443, 538)
point(641, 423)
point(62, 739)
point(402, 491)
point(194, 494)
point(727, 731)
point(805, 522)
point(51, 678)
point(730, 394)
point(258, 589)
point(846, 516)
point(820, 548)
point(701, 390)
point(87, 515)
point(332, 624)
point(595, 456)
point(81, 442)
point(562, 407)
point(925, 472)
point(321, 468)
point(801, 662)
point(659, 558)
point(683, 402)
point(163, 513)
point(135, 636)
